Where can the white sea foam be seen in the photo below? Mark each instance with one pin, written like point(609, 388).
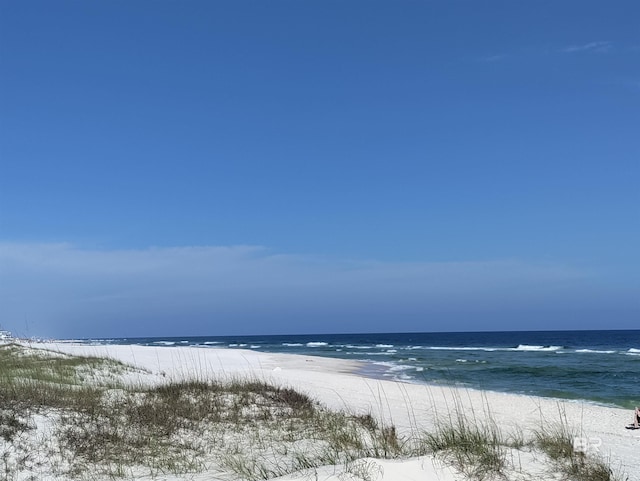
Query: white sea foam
point(316, 344)
point(392, 367)
point(385, 353)
point(254, 346)
point(521, 347)
point(292, 344)
point(165, 343)
point(633, 352)
point(395, 368)
point(595, 351)
point(463, 348)
point(212, 342)
point(384, 345)
point(527, 347)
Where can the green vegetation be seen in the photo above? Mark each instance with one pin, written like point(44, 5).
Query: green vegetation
point(557, 441)
point(34, 379)
point(476, 449)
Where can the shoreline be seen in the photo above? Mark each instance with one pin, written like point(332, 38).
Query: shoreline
point(543, 364)
point(338, 385)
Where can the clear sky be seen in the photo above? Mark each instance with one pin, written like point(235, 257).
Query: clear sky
point(253, 167)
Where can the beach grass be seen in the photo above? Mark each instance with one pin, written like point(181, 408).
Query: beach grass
point(248, 427)
point(100, 427)
point(477, 449)
point(557, 439)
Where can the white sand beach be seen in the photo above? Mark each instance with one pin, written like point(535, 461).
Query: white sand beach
point(409, 407)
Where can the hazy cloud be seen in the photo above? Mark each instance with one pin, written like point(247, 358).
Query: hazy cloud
point(591, 47)
point(63, 290)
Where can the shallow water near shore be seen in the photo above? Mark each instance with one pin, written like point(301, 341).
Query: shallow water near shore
point(597, 366)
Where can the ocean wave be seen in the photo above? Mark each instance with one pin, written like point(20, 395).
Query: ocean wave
point(397, 368)
point(633, 352)
point(292, 344)
point(384, 353)
point(353, 346)
point(595, 351)
point(463, 348)
point(317, 344)
point(212, 342)
point(254, 346)
point(520, 347)
point(527, 347)
point(384, 345)
point(164, 343)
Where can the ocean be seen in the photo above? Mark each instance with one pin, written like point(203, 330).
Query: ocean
point(597, 366)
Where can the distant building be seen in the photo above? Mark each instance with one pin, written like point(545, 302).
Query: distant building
point(5, 335)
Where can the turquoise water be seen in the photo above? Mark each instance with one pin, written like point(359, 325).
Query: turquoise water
point(597, 366)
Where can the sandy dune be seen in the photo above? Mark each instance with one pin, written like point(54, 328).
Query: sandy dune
point(409, 407)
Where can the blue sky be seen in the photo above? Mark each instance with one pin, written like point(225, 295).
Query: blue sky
point(203, 168)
